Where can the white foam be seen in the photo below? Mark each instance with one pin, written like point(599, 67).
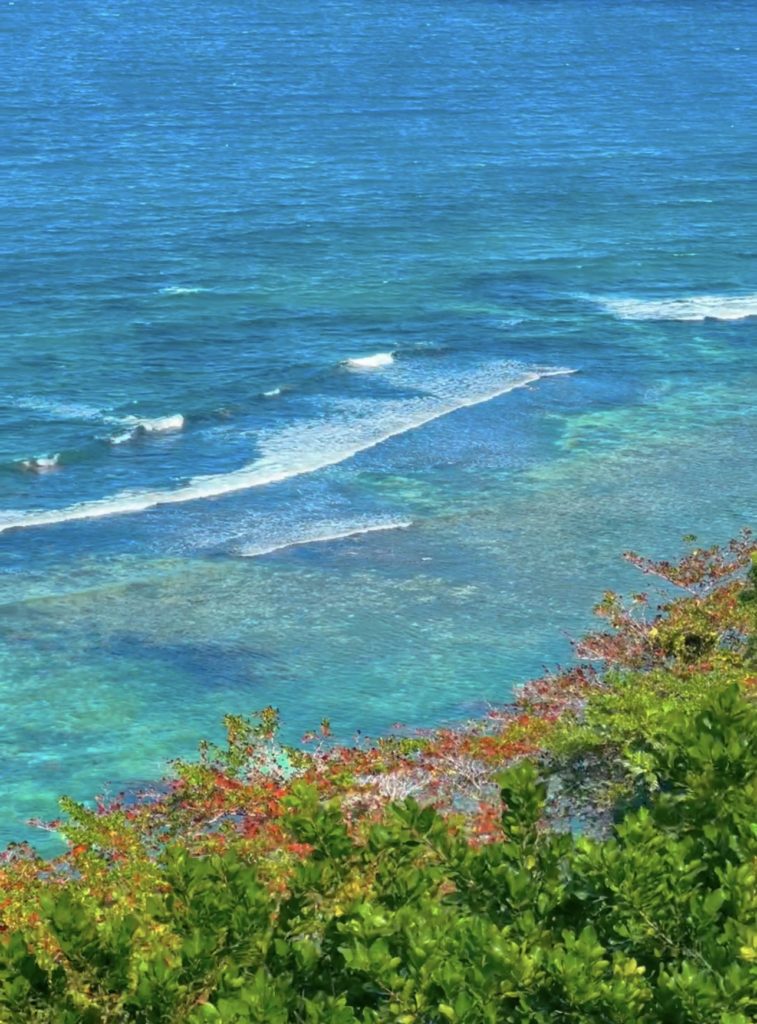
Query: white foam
point(42, 464)
point(272, 393)
point(375, 362)
point(324, 533)
point(161, 425)
point(694, 307)
point(309, 445)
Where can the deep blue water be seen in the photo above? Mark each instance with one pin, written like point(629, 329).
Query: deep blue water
point(209, 210)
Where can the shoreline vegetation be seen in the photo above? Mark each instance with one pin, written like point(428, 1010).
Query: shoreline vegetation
point(585, 854)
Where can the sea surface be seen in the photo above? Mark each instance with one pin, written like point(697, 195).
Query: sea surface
point(344, 347)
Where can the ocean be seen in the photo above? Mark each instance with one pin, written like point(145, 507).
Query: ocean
point(344, 348)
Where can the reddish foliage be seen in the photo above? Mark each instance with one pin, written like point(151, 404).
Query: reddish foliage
point(702, 569)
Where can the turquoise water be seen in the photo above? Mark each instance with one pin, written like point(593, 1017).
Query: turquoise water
point(289, 297)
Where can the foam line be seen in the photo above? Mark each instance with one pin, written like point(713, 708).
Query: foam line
point(309, 445)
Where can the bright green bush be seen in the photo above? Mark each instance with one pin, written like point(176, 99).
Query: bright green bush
point(655, 923)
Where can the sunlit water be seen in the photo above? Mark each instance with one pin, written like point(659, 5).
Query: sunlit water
point(289, 294)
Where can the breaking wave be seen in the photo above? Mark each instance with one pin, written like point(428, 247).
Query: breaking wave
point(306, 446)
point(695, 307)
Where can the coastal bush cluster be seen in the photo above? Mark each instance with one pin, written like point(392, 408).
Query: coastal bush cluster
point(587, 854)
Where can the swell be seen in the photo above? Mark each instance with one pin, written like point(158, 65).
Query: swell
point(306, 447)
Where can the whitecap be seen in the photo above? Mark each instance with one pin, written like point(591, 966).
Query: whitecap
point(306, 446)
point(375, 362)
point(691, 308)
point(324, 533)
point(272, 393)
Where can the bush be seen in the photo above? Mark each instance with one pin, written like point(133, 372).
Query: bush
point(657, 922)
